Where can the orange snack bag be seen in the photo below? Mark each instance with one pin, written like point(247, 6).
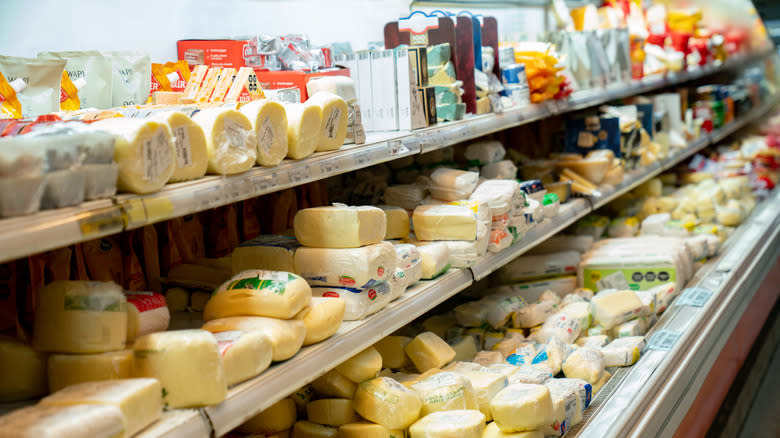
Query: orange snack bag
point(69, 93)
point(10, 107)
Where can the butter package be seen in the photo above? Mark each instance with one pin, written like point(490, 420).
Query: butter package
point(42, 78)
point(95, 68)
point(130, 77)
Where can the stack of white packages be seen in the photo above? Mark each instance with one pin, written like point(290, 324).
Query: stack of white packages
point(489, 155)
point(506, 202)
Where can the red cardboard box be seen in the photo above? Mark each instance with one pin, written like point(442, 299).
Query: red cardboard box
point(286, 79)
point(215, 53)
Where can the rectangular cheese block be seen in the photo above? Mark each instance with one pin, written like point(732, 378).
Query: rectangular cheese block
point(486, 385)
point(360, 303)
point(406, 196)
point(140, 400)
point(586, 364)
point(70, 369)
point(391, 348)
point(387, 402)
point(526, 268)
point(349, 267)
point(613, 309)
point(340, 227)
point(76, 421)
point(444, 222)
point(452, 184)
point(427, 351)
point(435, 259)
point(397, 222)
point(623, 351)
point(286, 335)
point(492, 431)
point(245, 354)
point(465, 349)
point(334, 384)
point(522, 407)
point(268, 252)
point(362, 366)
point(499, 195)
point(272, 294)
point(462, 423)
point(332, 412)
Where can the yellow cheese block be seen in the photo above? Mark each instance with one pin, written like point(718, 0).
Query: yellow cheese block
point(80, 317)
point(269, 121)
point(339, 227)
point(245, 354)
point(391, 348)
point(363, 430)
point(387, 402)
point(445, 391)
point(335, 117)
point(140, 400)
point(486, 385)
point(447, 424)
point(439, 324)
point(271, 294)
point(397, 222)
point(79, 421)
point(189, 143)
point(333, 384)
point(144, 151)
point(70, 369)
point(302, 397)
point(444, 222)
point(279, 417)
point(492, 431)
point(522, 407)
point(230, 140)
point(307, 429)
point(303, 129)
point(331, 412)
point(322, 319)
point(24, 371)
point(186, 362)
point(428, 351)
point(362, 366)
point(286, 335)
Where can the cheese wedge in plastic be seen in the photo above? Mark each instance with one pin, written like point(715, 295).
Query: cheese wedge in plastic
point(304, 123)
point(447, 424)
point(189, 143)
point(397, 222)
point(321, 319)
point(435, 259)
point(24, 371)
point(269, 121)
point(307, 429)
point(387, 402)
point(70, 369)
point(331, 412)
point(245, 354)
point(362, 267)
point(78, 421)
point(444, 222)
point(335, 118)
point(286, 335)
point(522, 407)
point(140, 400)
point(271, 294)
point(279, 417)
point(486, 385)
point(230, 140)
point(144, 151)
point(610, 310)
point(586, 364)
point(339, 226)
point(333, 384)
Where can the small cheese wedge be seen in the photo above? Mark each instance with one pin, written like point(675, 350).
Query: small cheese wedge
point(245, 354)
point(230, 140)
point(78, 421)
point(307, 429)
point(446, 424)
point(331, 412)
point(279, 417)
point(271, 294)
point(286, 335)
point(444, 222)
point(586, 364)
point(391, 348)
point(362, 366)
point(492, 431)
point(364, 430)
point(70, 369)
point(333, 384)
point(24, 371)
point(322, 319)
point(335, 118)
point(269, 121)
point(387, 402)
point(522, 407)
point(428, 351)
point(189, 143)
point(339, 227)
point(303, 129)
point(397, 222)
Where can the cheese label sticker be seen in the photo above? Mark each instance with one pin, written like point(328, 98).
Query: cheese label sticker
point(235, 134)
point(183, 149)
point(332, 124)
point(694, 297)
point(275, 282)
point(266, 135)
point(155, 155)
point(227, 339)
point(613, 281)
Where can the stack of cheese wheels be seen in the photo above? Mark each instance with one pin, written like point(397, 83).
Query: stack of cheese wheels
point(343, 256)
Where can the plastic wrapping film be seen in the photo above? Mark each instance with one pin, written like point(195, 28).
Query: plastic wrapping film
point(445, 391)
point(231, 142)
point(334, 120)
point(586, 364)
point(384, 401)
point(349, 267)
point(271, 294)
point(444, 424)
point(410, 260)
point(360, 303)
point(452, 184)
point(286, 335)
point(190, 145)
point(444, 222)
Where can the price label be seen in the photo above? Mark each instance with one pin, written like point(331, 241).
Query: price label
point(100, 224)
point(158, 209)
point(331, 165)
point(694, 297)
point(266, 183)
point(362, 157)
point(134, 212)
point(302, 174)
point(207, 198)
point(397, 147)
point(663, 340)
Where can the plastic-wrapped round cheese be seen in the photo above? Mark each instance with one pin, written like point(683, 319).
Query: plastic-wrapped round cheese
point(269, 122)
point(447, 424)
point(190, 144)
point(271, 294)
point(304, 123)
point(335, 117)
point(230, 140)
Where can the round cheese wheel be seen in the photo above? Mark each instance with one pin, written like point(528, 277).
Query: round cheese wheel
point(269, 121)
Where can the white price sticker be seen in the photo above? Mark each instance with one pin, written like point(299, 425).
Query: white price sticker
point(301, 174)
point(331, 165)
point(266, 183)
point(362, 157)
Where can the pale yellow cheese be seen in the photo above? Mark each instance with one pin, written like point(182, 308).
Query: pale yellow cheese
point(439, 324)
point(245, 354)
point(271, 294)
point(80, 317)
point(79, 421)
point(428, 351)
point(450, 424)
point(444, 222)
point(333, 384)
point(522, 407)
point(279, 417)
point(584, 363)
point(387, 402)
point(334, 120)
point(231, 143)
point(397, 222)
point(189, 144)
point(445, 391)
point(392, 351)
point(186, 362)
point(303, 129)
point(492, 431)
point(362, 366)
point(363, 430)
point(610, 310)
point(601, 382)
point(70, 369)
point(269, 121)
point(486, 358)
point(465, 349)
point(24, 371)
point(322, 319)
point(339, 227)
point(357, 268)
point(286, 335)
point(307, 429)
point(302, 397)
point(331, 412)
point(140, 400)
point(486, 385)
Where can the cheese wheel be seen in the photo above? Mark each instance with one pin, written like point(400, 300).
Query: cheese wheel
point(80, 317)
point(322, 319)
point(24, 371)
point(444, 222)
point(428, 351)
point(450, 424)
point(492, 431)
point(307, 429)
point(269, 122)
point(271, 294)
point(286, 335)
point(445, 391)
point(364, 430)
point(189, 143)
point(269, 252)
point(387, 402)
point(230, 140)
point(279, 417)
point(79, 421)
point(304, 123)
point(391, 348)
point(331, 412)
point(333, 384)
point(362, 366)
point(144, 151)
point(339, 227)
point(70, 369)
point(335, 118)
point(522, 407)
point(245, 354)
point(186, 362)
point(397, 222)
point(140, 400)
point(360, 268)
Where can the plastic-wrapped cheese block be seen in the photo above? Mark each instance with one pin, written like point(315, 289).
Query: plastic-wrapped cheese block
point(623, 351)
point(360, 303)
point(279, 417)
point(427, 351)
point(168, 357)
point(473, 313)
point(304, 124)
point(522, 407)
point(333, 384)
point(492, 431)
point(582, 396)
point(499, 240)
point(146, 313)
point(580, 311)
point(445, 391)
point(334, 120)
point(565, 408)
point(452, 184)
point(561, 326)
point(230, 140)
point(439, 324)
point(80, 317)
point(79, 421)
point(322, 319)
point(463, 253)
point(406, 196)
point(597, 341)
point(444, 222)
point(504, 169)
point(144, 151)
point(616, 308)
point(391, 348)
point(269, 252)
point(446, 424)
point(533, 314)
point(140, 400)
point(362, 366)
point(387, 402)
point(397, 283)
point(24, 371)
point(501, 311)
point(654, 224)
point(307, 429)
point(397, 222)
point(485, 152)
point(552, 354)
point(584, 363)
point(526, 268)
point(245, 354)
point(409, 259)
point(331, 412)
point(486, 385)
point(340, 226)
point(269, 122)
point(190, 145)
point(529, 374)
point(465, 349)
point(286, 335)
point(69, 369)
point(435, 259)
point(364, 430)
point(348, 267)
point(271, 294)
point(486, 358)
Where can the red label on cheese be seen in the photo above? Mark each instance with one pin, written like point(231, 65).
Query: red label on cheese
point(371, 294)
point(145, 301)
point(331, 295)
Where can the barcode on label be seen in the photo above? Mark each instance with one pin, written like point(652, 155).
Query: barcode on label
point(663, 340)
point(694, 297)
point(331, 165)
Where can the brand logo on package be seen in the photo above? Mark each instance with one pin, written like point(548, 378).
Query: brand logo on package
point(418, 24)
